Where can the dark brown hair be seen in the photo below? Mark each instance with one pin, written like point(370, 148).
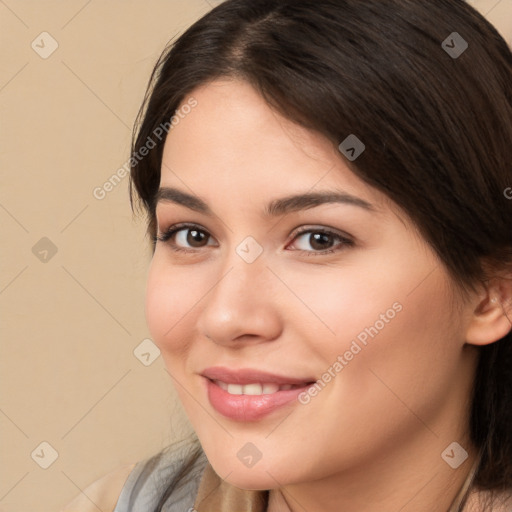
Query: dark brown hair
point(437, 130)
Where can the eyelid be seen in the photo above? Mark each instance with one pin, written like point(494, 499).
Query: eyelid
point(165, 234)
point(345, 239)
point(319, 228)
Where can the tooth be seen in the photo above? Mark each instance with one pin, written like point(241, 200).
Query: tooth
point(268, 389)
point(252, 389)
point(235, 389)
point(221, 385)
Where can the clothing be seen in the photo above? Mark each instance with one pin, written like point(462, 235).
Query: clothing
point(204, 491)
point(147, 482)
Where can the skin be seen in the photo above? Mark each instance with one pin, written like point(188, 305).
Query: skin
point(373, 437)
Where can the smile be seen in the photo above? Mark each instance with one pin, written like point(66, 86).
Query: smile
point(254, 389)
point(253, 401)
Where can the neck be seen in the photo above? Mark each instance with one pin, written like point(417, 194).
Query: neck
point(390, 483)
point(461, 499)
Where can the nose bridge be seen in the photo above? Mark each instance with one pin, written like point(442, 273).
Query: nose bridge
point(241, 299)
point(242, 271)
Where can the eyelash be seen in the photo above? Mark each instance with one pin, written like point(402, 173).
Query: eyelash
point(172, 230)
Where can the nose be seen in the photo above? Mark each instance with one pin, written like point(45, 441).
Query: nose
point(242, 306)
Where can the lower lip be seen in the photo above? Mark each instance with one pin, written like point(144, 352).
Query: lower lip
point(249, 407)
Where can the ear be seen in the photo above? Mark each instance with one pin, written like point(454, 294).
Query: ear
point(491, 318)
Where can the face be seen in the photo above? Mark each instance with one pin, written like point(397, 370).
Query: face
point(337, 289)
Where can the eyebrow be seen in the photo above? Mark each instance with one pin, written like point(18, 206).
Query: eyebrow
point(275, 208)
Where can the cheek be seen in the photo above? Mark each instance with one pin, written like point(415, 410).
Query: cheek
point(158, 305)
point(387, 322)
point(410, 359)
point(169, 303)
point(343, 302)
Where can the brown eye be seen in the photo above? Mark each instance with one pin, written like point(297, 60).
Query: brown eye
point(185, 237)
point(320, 241)
point(194, 237)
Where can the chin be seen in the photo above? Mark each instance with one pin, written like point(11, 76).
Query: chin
point(259, 477)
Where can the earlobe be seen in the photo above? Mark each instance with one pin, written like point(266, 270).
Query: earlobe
point(491, 319)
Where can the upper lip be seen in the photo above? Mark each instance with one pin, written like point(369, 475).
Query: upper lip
point(250, 376)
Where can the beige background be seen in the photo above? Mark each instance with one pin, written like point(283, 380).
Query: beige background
point(72, 320)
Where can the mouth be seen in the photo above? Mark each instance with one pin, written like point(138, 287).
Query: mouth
point(250, 395)
point(254, 389)
point(252, 376)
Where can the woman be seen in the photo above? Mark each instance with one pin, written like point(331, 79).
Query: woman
point(331, 281)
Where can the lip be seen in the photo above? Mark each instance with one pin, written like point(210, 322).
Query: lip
point(250, 376)
point(246, 408)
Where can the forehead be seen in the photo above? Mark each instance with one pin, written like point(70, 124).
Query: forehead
point(232, 140)
point(232, 120)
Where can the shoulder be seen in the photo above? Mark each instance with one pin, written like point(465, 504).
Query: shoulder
point(138, 487)
point(102, 494)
